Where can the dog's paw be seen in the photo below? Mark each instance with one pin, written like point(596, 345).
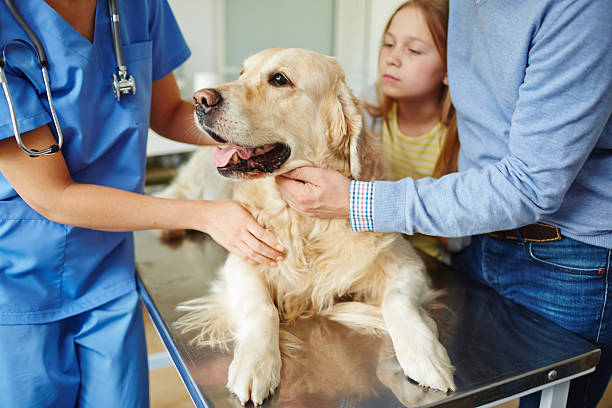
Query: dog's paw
point(254, 374)
point(429, 366)
point(391, 374)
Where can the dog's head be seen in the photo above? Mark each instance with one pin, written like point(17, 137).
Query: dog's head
point(288, 108)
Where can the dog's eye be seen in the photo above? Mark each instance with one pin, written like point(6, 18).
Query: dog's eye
point(278, 79)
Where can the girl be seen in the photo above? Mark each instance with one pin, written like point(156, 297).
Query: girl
point(413, 111)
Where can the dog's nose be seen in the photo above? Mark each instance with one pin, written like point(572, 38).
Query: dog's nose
point(207, 99)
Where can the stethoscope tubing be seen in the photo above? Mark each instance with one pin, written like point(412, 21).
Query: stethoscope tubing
point(116, 32)
point(40, 51)
point(122, 85)
point(42, 58)
point(60, 137)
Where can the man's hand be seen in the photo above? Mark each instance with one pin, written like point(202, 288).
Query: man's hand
point(316, 192)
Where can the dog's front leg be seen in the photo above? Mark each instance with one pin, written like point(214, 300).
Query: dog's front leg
point(391, 374)
point(255, 371)
point(421, 355)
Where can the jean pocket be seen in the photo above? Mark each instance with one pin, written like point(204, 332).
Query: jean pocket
point(569, 255)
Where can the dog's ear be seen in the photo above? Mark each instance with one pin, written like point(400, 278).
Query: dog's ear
point(356, 143)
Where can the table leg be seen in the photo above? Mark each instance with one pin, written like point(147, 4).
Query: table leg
point(160, 360)
point(555, 396)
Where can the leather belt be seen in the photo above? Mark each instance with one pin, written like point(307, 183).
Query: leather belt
point(537, 232)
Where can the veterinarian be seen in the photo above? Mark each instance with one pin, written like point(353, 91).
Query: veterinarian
point(71, 330)
point(532, 86)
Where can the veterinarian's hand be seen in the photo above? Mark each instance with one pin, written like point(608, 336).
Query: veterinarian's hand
point(316, 192)
point(233, 225)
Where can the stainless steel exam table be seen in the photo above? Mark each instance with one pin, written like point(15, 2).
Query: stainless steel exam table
point(500, 350)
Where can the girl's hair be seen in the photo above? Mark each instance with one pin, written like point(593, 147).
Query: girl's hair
point(436, 17)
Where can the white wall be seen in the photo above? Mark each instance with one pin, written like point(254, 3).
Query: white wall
point(380, 11)
point(199, 21)
point(358, 32)
point(200, 25)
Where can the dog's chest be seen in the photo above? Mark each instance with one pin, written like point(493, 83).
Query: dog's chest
point(322, 265)
point(324, 261)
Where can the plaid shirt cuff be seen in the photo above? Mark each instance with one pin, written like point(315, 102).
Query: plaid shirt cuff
point(361, 197)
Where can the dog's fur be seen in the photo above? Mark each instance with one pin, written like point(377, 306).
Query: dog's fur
point(366, 280)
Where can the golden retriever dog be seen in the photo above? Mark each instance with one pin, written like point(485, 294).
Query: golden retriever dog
point(290, 108)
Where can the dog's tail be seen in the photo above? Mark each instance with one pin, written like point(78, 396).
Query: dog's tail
point(208, 317)
point(359, 316)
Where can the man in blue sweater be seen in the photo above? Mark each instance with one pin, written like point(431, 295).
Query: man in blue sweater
point(532, 85)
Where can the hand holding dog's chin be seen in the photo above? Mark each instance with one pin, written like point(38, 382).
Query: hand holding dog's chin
point(316, 192)
point(233, 225)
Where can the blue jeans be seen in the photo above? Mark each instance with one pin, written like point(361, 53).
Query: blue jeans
point(564, 281)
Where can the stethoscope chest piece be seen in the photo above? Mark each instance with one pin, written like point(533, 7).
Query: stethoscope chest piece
point(123, 84)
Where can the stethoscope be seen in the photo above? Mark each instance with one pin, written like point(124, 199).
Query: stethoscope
point(121, 83)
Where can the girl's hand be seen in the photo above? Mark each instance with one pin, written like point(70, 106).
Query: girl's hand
point(232, 225)
point(316, 192)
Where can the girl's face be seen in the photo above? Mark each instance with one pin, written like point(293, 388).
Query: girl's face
point(410, 65)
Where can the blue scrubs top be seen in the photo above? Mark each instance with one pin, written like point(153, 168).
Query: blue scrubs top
point(49, 271)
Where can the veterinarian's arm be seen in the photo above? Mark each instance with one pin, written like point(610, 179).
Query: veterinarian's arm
point(172, 117)
point(46, 185)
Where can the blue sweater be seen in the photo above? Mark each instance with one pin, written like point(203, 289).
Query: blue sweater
point(532, 85)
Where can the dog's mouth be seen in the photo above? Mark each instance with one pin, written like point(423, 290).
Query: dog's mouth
point(202, 121)
point(241, 161)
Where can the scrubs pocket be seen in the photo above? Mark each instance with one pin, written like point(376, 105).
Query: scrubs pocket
point(137, 58)
point(32, 251)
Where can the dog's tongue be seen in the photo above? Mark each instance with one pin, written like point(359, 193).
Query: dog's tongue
point(222, 155)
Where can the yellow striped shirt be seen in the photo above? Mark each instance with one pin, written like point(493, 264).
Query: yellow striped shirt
point(413, 157)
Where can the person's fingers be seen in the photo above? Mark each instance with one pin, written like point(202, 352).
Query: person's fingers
point(294, 174)
point(304, 174)
point(291, 189)
point(288, 183)
point(293, 193)
point(241, 250)
point(259, 252)
point(254, 211)
point(267, 238)
point(252, 256)
point(283, 185)
point(264, 242)
point(260, 232)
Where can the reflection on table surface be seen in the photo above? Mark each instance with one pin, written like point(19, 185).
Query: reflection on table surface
point(498, 348)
